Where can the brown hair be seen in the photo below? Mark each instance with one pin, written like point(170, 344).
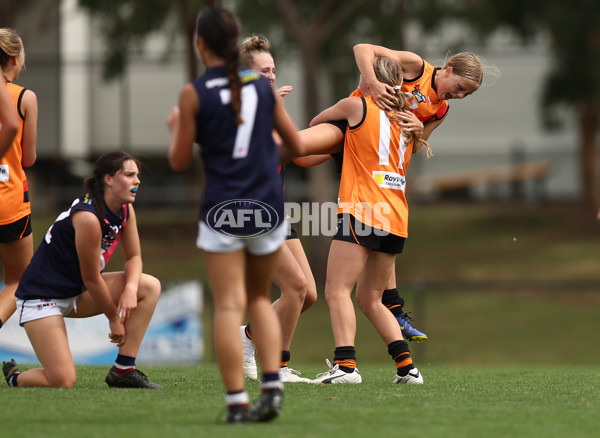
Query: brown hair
point(107, 164)
point(253, 45)
point(220, 30)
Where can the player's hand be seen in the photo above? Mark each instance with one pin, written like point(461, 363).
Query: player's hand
point(173, 119)
point(410, 122)
point(127, 304)
point(117, 331)
point(285, 90)
point(381, 94)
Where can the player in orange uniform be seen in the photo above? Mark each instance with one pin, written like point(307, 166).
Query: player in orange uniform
point(16, 240)
point(427, 89)
point(9, 124)
point(372, 225)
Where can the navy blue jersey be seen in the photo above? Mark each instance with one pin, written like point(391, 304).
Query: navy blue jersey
point(54, 271)
point(240, 161)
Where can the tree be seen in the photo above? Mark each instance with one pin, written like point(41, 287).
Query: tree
point(126, 24)
point(323, 33)
point(573, 31)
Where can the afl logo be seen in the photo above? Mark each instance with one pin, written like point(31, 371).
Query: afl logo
point(242, 218)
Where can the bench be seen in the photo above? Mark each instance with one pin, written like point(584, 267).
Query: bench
point(458, 186)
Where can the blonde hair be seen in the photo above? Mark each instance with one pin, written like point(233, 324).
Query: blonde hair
point(390, 72)
point(10, 45)
point(253, 45)
point(467, 65)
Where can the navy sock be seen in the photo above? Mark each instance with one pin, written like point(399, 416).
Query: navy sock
point(124, 364)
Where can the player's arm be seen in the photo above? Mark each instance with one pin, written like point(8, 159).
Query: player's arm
point(88, 237)
point(29, 107)
point(130, 242)
point(364, 54)
point(350, 109)
point(311, 160)
point(8, 118)
point(290, 141)
point(428, 127)
point(182, 124)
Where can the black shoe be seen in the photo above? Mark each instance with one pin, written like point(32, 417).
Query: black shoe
point(268, 406)
point(10, 370)
point(237, 414)
point(133, 379)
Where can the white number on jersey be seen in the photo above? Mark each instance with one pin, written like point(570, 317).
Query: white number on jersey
point(248, 114)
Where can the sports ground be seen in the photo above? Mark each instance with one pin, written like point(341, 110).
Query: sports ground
point(507, 293)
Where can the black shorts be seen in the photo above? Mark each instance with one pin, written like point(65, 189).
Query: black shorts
point(15, 231)
point(291, 232)
point(353, 231)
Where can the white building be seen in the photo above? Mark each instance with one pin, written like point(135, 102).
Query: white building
point(81, 116)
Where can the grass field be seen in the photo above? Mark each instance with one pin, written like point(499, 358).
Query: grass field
point(454, 402)
point(508, 294)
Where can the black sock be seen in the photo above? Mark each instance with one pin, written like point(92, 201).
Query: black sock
point(285, 357)
point(345, 357)
point(393, 301)
point(401, 355)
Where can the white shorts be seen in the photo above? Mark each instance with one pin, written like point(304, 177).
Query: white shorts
point(211, 241)
point(30, 310)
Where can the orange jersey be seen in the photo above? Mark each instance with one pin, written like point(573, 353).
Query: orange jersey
point(14, 194)
point(422, 97)
point(372, 186)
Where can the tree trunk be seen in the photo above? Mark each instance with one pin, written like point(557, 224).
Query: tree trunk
point(588, 124)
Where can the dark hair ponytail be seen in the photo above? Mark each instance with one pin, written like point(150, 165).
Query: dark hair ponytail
point(220, 30)
point(107, 164)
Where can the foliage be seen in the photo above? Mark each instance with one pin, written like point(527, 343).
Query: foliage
point(571, 28)
point(326, 30)
point(125, 25)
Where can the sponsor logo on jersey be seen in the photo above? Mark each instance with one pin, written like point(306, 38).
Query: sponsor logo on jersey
point(389, 180)
point(217, 82)
point(242, 218)
point(418, 95)
point(4, 172)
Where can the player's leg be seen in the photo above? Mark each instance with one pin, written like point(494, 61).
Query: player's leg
point(368, 294)
point(291, 280)
point(344, 265)
point(267, 331)
point(48, 337)
point(298, 292)
point(369, 289)
point(124, 373)
point(226, 274)
point(395, 303)
point(14, 258)
point(265, 324)
point(324, 138)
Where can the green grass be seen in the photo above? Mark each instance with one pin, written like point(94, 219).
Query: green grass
point(453, 402)
point(508, 294)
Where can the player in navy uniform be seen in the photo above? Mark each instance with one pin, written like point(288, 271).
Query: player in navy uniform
point(231, 114)
point(65, 279)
